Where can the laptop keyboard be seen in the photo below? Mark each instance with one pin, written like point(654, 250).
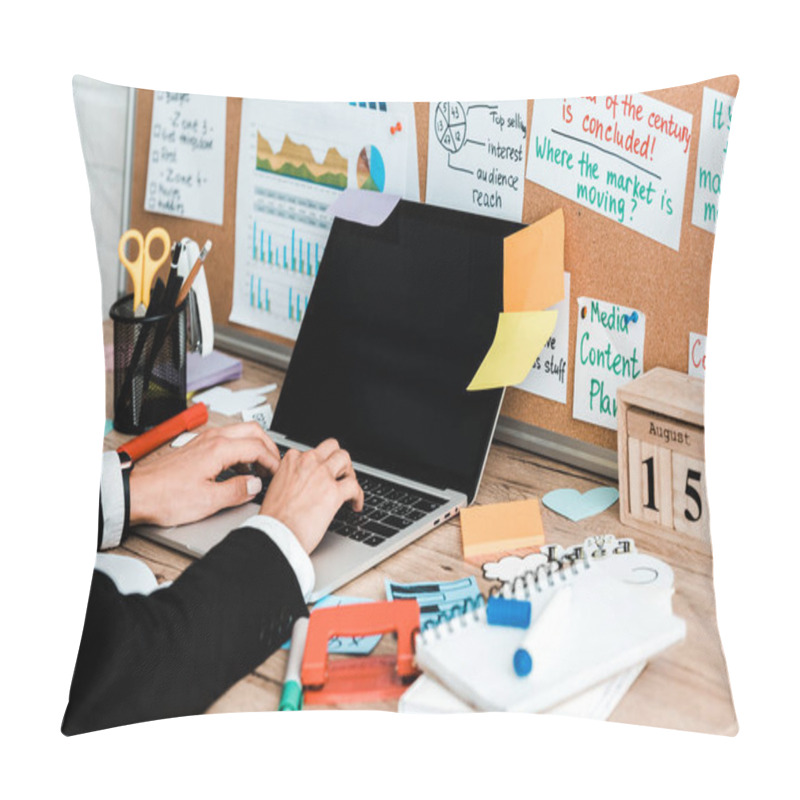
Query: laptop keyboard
point(388, 508)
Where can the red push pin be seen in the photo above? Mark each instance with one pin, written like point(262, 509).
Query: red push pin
point(395, 128)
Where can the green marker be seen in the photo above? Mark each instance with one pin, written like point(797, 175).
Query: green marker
point(292, 695)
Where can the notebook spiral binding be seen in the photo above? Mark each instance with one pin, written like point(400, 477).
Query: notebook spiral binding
point(524, 586)
point(468, 607)
point(458, 617)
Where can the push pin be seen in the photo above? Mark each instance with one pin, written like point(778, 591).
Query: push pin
point(632, 317)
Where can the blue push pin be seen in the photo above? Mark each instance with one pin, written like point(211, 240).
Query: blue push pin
point(632, 317)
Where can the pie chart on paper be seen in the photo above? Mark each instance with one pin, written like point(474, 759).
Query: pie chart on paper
point(371, 171)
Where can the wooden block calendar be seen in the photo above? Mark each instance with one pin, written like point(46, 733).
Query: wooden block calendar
point(661, 449)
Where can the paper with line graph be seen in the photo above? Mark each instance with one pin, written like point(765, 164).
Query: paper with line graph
point(622, 156)
point(295, 159)
point(476, 157)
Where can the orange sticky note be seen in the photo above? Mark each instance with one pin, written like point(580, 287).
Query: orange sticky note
point(533, 265)
point(501, 526)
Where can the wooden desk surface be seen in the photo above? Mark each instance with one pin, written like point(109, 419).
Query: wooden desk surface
point(686, 687)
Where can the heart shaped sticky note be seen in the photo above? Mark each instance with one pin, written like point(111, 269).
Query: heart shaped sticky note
point(573, 505)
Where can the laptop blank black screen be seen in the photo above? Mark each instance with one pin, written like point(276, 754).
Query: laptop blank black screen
point(398, 322)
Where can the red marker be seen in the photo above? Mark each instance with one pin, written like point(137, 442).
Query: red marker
point(193, 417)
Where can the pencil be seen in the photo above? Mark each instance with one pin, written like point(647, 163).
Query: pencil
point(187, 284)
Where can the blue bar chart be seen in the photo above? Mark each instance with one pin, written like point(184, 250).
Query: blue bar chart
point(291, 251)
point(259, 295)
point(297, 305)
point(276, 302)
point(287, 232)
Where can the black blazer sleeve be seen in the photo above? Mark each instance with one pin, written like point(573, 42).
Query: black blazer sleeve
point(175, 651)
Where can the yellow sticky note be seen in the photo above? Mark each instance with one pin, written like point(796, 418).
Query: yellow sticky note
point(519, 338)
point(501, 526)
point(533, 265)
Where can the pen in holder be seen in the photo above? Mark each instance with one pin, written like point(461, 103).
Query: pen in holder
point(149, 366)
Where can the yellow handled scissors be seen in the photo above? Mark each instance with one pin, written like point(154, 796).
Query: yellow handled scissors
point(143, 268)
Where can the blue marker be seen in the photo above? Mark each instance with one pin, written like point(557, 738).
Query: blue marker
point(508, 612)
point(544, 634)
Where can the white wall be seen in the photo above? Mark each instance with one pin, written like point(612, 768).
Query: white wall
point(102, 110)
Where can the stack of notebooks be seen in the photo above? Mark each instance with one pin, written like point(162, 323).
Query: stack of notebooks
point(620, 616)
point(203, 372)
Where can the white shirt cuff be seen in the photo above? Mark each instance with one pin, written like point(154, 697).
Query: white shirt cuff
point(290, 547)
point(112, 498)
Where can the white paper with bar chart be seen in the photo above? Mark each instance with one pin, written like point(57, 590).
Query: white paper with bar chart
point(295, 159)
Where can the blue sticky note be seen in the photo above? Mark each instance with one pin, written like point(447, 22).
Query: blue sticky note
point(347, 645)
point(573, 505)
point(438, 600)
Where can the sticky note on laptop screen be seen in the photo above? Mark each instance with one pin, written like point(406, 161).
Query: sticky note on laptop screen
point(533, 265)
point(501, 526)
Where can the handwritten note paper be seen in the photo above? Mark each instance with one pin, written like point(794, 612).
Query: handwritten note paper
point(697, 355)
point(548, 376)
point(715, 123)
point(186, 167)
point(476, 157)
point(609, 354)
point(518, 340)
point(623, 156)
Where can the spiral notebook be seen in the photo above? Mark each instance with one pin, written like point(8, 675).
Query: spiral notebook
point(620, 616)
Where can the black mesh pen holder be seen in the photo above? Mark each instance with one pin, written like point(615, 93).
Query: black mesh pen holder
point(149, 366)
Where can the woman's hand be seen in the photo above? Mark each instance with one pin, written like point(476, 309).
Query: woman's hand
point(180, 486)
point(308, 490)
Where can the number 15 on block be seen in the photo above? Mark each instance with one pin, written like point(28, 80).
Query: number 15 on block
point(666, 474)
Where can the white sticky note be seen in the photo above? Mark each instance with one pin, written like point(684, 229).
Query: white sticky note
point(715, 124)
point(622, 156)
point(697, 355)
point(186, 163)
point(476, 157)
point(229, 402)
point(363, 206)
point(548, 376)
point(260, 414)
point(609, 353)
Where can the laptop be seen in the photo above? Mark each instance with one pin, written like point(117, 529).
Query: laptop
point(399, 319)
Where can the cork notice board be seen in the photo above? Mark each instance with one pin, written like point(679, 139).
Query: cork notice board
point(605, 259)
